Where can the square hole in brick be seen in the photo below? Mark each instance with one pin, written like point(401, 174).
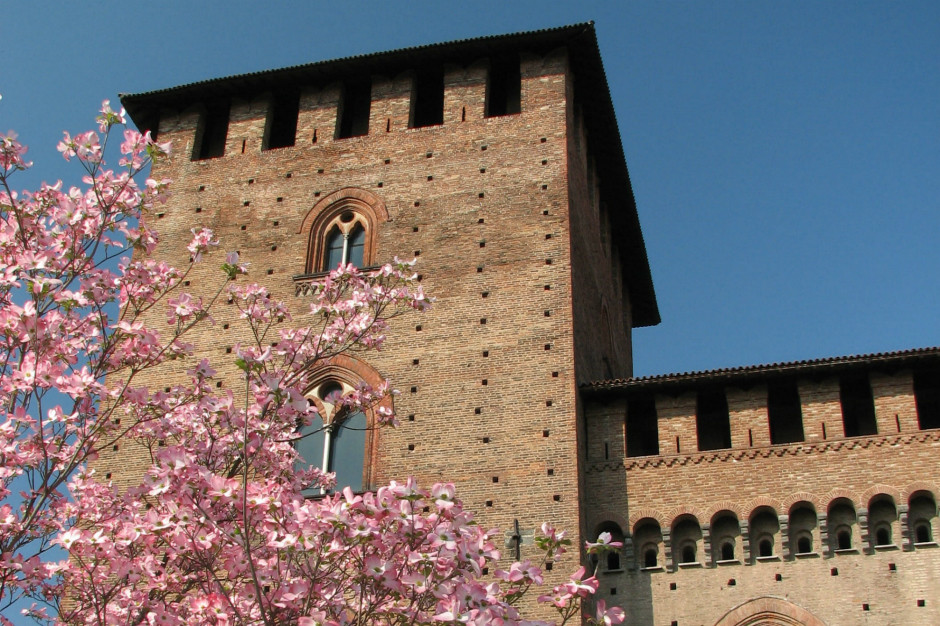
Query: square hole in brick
point(545, 212)
point(548, 287)
point(270, 272)
point(557, 497)
point(380, 185)
point(548, 261)
point(415, 229)
point(486, 571)
point(387, 161)
point(225, 326)
point(544, 162)
point(548, 313)
point(544, 187)
point(483, 170)
point(554, 374)
point(228, 351)
point(892, 567)
point(276, 223)
point(549, 565)
point(486, 353)
point(417, 253)
point(483, 320)
point(414, 361)
point(551, 472)
point(479, 269)
point(246, 203)
point(414, 390)
point(545, 433)
point(316, 194)
point(485, 294)
point(482, 244)
point(417, 203)
point(320, 171)
point(411, 446)
point(420, 277)
point(244, 227)
point(489, 503)
point(834, 571)
point(481, 221)
point(280, 198)
point(865, 606)
point(186, 283)
point(198, 209)
point(202, 187)
point(108, 476)
point(486, 440)
point(429, 155)
point(613, 591)
point(273, 248)
point(672, 586)
point(418, 328)
point(218, 385)
point(921, 603)
point(411, 418)
point(477, 411)
point(732, 582)
point(482, 148)
point(548, 346)
point(288, 175)
point(495, 479)
point(544, 139)
point(160, 216)
point(484, 382)
point(480, 195)
point(430, 178)
point(548, 403)
point(166, 390)
point(778, 577)
point(251, 181)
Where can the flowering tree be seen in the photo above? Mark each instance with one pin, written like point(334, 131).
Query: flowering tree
point(217, 531)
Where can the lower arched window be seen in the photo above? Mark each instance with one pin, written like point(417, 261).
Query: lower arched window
point(345, 242)
point(335, 441)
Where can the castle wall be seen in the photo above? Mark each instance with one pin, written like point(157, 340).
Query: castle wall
point(810, 490)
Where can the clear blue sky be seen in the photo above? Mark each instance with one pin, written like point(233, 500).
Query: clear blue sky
point(785, 155)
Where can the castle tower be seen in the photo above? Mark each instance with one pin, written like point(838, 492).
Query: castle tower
point(497, 163)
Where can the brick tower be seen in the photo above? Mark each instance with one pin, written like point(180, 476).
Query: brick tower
point(497, 163)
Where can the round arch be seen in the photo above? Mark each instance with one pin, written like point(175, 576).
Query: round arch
point(769, 611)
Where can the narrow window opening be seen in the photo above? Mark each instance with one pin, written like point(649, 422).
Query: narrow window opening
point(844, 540)
point(922, 533)
point(727, 552)
point(927, 398)
point(883, 536)
point(427, 99)
point(784, 413)
point(649, 558)
point(281, 126)
point(211, 132)
point(642, 426)
point(688, 554)
point(712, 423)
point(765, 548)
point(613, 560)
point(804, 545)
point(858, 407)
point(504, 87)
point(354, 108)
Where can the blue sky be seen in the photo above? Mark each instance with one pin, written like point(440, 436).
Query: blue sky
point(785, 156)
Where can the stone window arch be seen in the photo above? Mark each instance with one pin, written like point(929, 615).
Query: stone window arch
point(922, 517)
point(686, 540)
point(803, 529)
point(764, 529)
point(843, 527)
point(648, 537)
point(343, 228)
point(339, 439)
point(725, 537)
point(612, 560)
point(882, 521)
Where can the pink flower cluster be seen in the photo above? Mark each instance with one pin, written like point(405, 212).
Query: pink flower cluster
point(217, 530)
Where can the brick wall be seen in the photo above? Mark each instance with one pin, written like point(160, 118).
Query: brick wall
point(864, 584)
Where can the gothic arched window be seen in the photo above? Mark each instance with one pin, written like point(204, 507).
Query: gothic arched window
point(335, 441)
point(342, 229)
